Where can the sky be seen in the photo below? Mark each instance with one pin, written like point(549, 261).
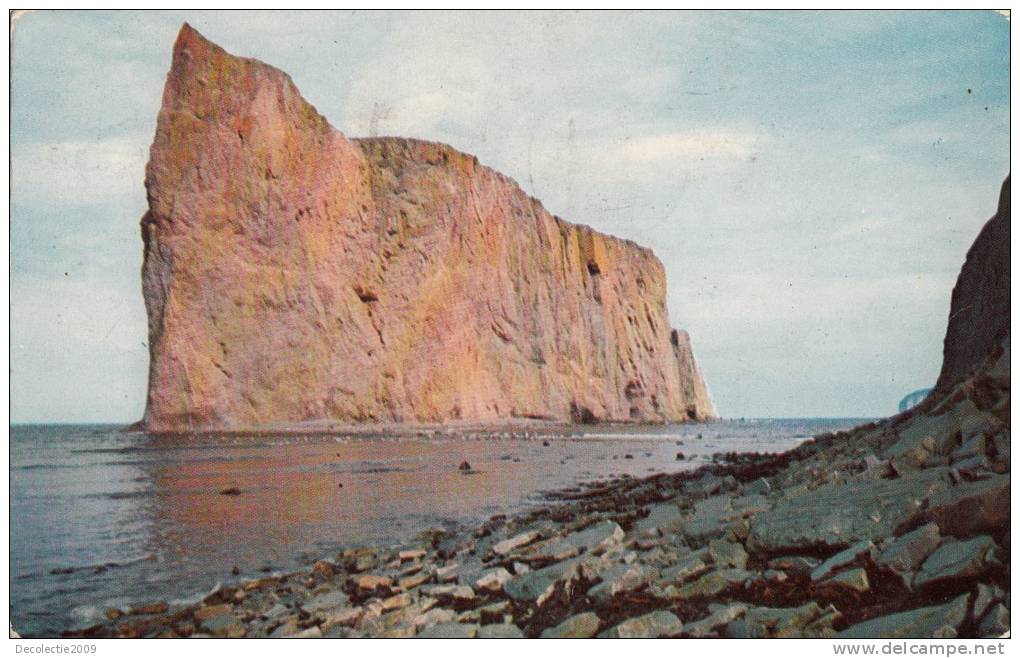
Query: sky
point(811, 181)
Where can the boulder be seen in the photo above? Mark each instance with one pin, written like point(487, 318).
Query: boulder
point(903, 555)
point(714, 583)
point(971, 508)
point(494, 580)
point(507, 546)
point(995, 623)
point(857, 553)
point(720, 616)
point(622, 578)
point(583, 625)
point(957, 560)
point(450, 631)
point(935, 621)
point(727, 554)
point(660, 623)
point(500, 632)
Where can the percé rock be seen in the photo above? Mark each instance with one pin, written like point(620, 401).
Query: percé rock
point(292, 274)
point(979, 312)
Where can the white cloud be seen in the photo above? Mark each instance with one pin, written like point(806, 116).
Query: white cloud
point(722, 143)
point(78, 173)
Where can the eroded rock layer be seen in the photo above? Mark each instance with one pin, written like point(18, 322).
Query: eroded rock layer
point(292, 274)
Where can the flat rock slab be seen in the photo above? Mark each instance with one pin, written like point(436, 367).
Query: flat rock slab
point(842, 560)
point(538, 585)
point(971, 508)
point(937, 621)
point(727, 554)
point(500, 632)
point(602, 534)
point(837, 515)
point(808, 620)
point(660, 623)
point(451, 631)
point(622, 578)
point(905, 554)
point(714, 583)
point(325, 602)
point(507, 546)
point(663, 518)
point(957, 560)
point(584, 625)
point(718, 618)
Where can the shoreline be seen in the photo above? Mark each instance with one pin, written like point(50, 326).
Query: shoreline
point(712, 552)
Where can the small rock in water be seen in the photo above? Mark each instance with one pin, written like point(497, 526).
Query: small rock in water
point(230, 491)
point(628, 456)
point(464, 466)
point(236, 571)
point(545, 443)
point(680, 456)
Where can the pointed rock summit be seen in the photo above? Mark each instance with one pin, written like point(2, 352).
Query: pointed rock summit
point(292, 274)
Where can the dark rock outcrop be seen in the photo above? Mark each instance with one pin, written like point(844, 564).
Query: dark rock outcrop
point(979, 314)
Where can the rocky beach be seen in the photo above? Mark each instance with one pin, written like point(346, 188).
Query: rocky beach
point(895, 529)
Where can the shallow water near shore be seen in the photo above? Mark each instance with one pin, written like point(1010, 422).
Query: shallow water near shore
point(103, 518)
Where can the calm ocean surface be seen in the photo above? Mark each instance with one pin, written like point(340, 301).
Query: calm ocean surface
point(103, 518)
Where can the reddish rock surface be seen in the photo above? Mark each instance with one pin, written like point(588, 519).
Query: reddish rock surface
point(292, 274)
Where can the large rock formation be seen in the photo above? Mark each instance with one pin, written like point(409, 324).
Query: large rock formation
point(293, 274)
point(979, 314)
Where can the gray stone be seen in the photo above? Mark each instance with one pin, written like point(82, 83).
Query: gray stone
point(798, 565)
point(854, 580)
point(727, 554)
point(905, 554)
point(450, 631)
point(663, 518)
point(706, 521)
point(842, 560)
point(507, 546)
point(223, 625)
point(971, 508)
point(808, 620)
point(838, 515)
point(685, 569)
point(714, 583)
point(285, 629)
point(310, 632)
point(973, 447)
point(984, 598)
point(433, 617)
point(660, 623)
point(760, 486)
point(447, 573)
point(538, 586)
point(600, 535)
point(323, 603)
point(718, 618)
point(957, 560)
point(622, 578)
point(500, 632)
point(583, 625)
point(493, 581)
point(461, 593)
point(922, 622)
point(995, 623)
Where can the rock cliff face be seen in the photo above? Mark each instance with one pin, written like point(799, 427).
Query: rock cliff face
point(293, 274)
point(979, 314)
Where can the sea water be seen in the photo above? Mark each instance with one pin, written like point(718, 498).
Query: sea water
point(103, 518)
